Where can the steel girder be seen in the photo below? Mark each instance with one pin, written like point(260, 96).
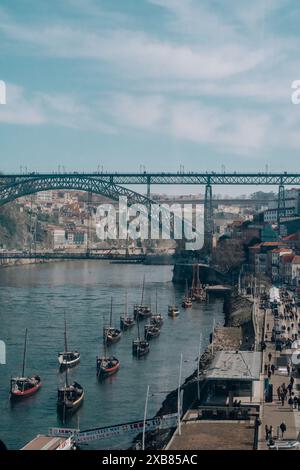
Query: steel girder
point(25, 186)
point(167, 178)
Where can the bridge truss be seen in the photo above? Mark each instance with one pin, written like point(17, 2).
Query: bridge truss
point(111, 185)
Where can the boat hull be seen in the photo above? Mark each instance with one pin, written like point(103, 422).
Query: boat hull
point(16, 395)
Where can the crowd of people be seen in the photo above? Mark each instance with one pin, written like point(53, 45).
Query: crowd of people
point(283, 334)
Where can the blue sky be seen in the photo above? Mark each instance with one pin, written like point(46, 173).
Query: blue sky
point(124, 83)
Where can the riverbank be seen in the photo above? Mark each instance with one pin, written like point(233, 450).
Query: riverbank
point(237, 333)
point(7, 263)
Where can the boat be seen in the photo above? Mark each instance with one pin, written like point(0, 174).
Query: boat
point(187, 300)
point(151, 331)
point(107, 366)
point(142, 311)
point(140, 347)
point(111, 334)
point(21, 387)
point(157, 319)
point(69, 397)
point(68, 358)
point(126, 321)
point(197, 292)
point(173, 310)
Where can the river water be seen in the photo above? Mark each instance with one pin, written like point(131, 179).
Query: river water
point(36, 297)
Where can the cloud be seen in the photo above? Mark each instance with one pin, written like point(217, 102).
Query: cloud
point(36, 109)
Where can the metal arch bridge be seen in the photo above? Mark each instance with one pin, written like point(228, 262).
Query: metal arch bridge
point(192, 178)
point(13, 186)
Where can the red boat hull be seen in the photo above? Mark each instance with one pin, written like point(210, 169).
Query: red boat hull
point(26, 393)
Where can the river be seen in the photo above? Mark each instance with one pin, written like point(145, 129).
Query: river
point(36, 297)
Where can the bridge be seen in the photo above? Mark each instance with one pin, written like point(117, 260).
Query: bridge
point(64, 255)
point(113, 185)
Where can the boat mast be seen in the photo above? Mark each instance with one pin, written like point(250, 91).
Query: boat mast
point(24, 353)
point(66, 343)
point(111, 308)
point(156, 301)
point(143, 290)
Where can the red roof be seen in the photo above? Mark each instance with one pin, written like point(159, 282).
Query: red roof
point(287, 258)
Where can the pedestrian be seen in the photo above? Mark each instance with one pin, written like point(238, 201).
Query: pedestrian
point(298, 401)
point(292, 380)
point(290, 388)
point(288, 369)
point(291, 402)
point(283, 429)
point(273, 369)
point(295, 402)
point(282, 398)
point(269, 374)
point(266, 369)
point(279, 393)
point(267, 431)
point(270, 356)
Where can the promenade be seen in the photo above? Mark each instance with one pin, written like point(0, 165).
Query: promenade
point(274, 413)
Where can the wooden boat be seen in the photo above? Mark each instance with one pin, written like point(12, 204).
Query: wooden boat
point(140, 347)
point(151, 331)
point(22, 387)
point(126, 321)
point(69, 397)
point(111, 334)
point(198, 292)
point(157, 319)
point(68, 358)
point(187, 300)
point(107, 366)
point(142, 311)
point(173, 311)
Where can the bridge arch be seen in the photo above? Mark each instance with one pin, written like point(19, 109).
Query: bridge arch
point(23, 187)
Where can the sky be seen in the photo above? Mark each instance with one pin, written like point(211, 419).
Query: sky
point(151, 84)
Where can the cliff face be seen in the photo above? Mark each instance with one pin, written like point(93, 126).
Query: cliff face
point(14, 226)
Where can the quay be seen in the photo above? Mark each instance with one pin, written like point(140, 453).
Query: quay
point(240, 391)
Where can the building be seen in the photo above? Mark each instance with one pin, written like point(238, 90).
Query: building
point(292, 206)
point(59, 238)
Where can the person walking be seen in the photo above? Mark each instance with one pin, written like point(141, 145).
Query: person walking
point(282, 429)
point(273, 369)
point(267, 431)
point(282, 398)
point(279, 393)
point(291, 402)
point(270, 356)
point(295, 402)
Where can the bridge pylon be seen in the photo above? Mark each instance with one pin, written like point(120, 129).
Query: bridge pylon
point(208, 218)
point(281, 204)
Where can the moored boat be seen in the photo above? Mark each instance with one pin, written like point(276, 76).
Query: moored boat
point(22, 387)
point(173, 311)
point(140, 347)
point(69, 398)
point(107, 366)
point(151, 331)
point(126, 321)
point(141, 310)
point(111, 334)
point(187, 300)
point(68, 358)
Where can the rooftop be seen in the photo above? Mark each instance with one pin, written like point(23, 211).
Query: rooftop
point(207, 435)
point(235, 365)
